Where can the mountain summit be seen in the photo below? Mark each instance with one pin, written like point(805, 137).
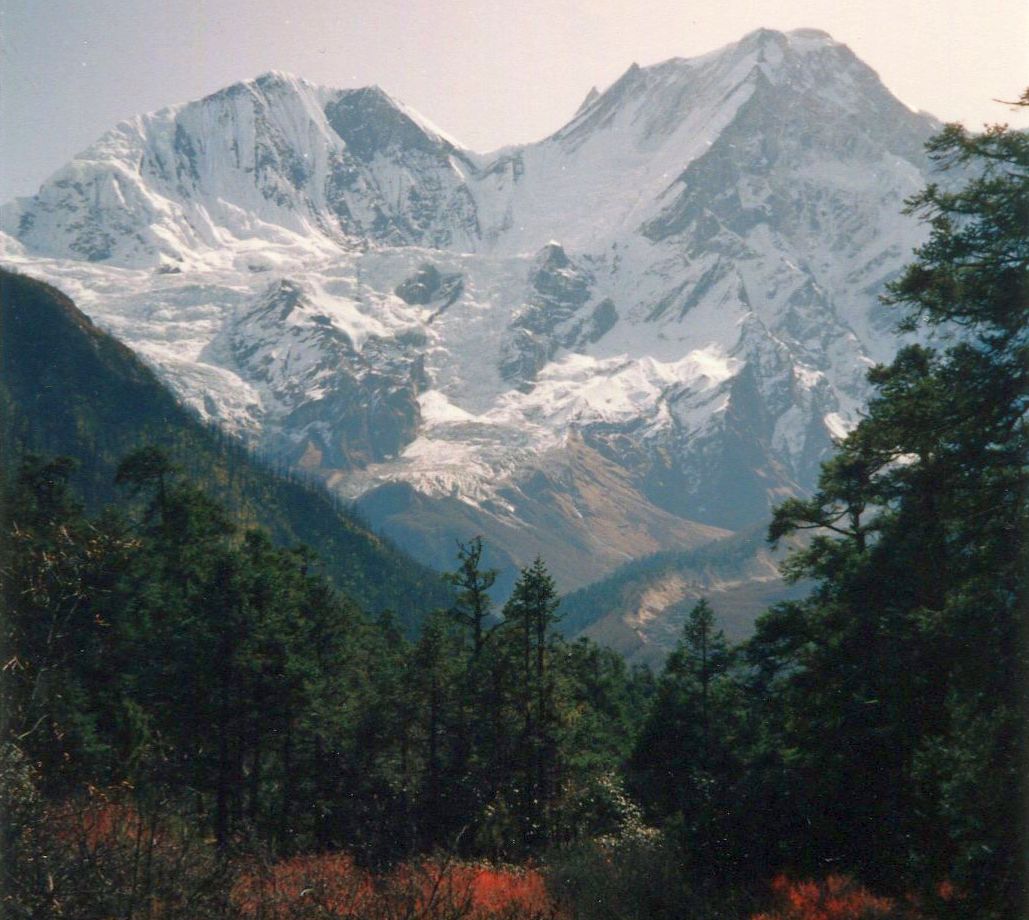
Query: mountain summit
point(638, 332)
point(268, 159)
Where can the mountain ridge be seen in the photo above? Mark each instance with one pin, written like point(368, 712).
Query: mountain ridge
point(679, 286)
point(641, 607)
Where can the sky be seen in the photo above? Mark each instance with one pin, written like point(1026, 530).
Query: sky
point(489, 73)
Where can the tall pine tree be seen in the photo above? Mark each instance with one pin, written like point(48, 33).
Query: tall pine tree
point(906, 695)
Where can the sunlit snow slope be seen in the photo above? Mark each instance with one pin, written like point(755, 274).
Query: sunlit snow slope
point(631, 335)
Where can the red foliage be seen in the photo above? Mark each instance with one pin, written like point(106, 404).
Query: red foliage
point(97, 823)
point(497, 892)
point(332, 885)
point(838, 897)
point(946, 891)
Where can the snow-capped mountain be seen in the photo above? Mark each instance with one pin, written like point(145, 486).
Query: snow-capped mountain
point(658, 316)
point(261, 161)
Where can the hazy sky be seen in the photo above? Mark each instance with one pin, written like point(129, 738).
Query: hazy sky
point(490, 73)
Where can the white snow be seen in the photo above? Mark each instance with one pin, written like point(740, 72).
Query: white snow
point(837, 425)
point(197, 213)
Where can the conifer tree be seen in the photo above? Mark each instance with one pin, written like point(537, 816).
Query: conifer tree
point(677, 747)
point(530, 616)
point(472, 607)
point(904, 696)
point(708, 650)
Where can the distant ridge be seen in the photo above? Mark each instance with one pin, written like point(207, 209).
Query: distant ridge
point(640, 608)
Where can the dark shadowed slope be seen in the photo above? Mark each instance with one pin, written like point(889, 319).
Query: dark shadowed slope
point(66, 387)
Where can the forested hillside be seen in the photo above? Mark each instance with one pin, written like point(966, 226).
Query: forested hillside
point(641, 607)
point(69, 389)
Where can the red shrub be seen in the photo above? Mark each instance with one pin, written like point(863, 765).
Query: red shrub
point(495, 892)
point(838, 897)
point(94, 822)
point(332, 886)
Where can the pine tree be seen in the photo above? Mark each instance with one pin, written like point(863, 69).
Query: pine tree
point(530, 616)
point(472, 608)
point(904, 695)
point(678, 747)
point(708, 652)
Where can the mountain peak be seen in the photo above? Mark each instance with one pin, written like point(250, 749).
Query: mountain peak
point(277, 77)
point(269, 81)
point(762, 36)
point(279, 80)
point(812, 34)
point(591, 97)
point(797, 40)
point(652, 102)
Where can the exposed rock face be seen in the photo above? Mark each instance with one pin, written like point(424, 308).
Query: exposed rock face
point(428, 286)
point(558, 290)
point(681, 284)
point(329, 403)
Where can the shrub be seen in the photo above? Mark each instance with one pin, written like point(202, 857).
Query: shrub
point(98, 855)
point(332, 886)
point(838, 897)
point(639, 877)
